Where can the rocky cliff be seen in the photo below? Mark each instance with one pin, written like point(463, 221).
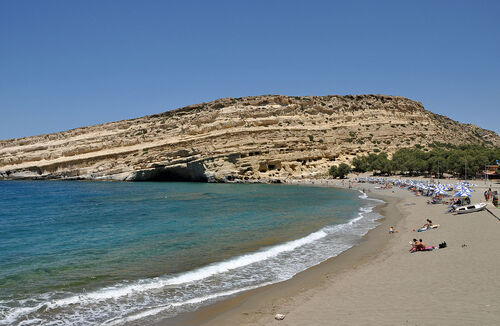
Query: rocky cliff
point(262, 138)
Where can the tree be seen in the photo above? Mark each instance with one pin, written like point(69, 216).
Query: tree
point(401, 160)
point(382, 164)
point(339, 171)
point(361, 164)
point(333, 171)
point(343, 170)
point(445, 158)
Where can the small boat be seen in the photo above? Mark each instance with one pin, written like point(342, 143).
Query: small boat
point(469, 208)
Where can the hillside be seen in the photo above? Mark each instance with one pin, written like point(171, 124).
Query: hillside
point(261, 138)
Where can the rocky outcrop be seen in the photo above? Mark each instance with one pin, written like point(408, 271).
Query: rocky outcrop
point(252, 139)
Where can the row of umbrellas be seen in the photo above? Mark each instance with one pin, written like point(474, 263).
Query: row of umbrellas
point(462, 188)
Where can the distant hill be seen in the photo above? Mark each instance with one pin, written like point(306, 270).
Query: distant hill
point(262, 138)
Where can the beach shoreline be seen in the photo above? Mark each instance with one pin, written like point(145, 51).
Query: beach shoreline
point(372, 243)
point(354, 281)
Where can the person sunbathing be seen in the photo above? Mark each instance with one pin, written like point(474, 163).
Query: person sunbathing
point(427, 225)
point(420, 245)
point(414, 244)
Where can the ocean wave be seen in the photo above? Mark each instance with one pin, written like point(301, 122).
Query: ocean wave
point(363, 195)
point(159, 309)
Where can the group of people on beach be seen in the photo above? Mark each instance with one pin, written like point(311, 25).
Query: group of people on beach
point(488, 194)
point(418, 244)
point(493, 195)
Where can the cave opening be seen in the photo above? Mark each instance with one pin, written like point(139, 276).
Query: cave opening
point(175, 176)
point(183, 173)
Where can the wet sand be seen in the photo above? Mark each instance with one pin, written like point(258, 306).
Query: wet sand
point(378, 282)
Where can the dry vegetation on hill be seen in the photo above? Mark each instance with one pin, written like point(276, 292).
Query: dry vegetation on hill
point(261, 138)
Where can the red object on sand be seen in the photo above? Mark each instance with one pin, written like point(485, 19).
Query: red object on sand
point(426, 249)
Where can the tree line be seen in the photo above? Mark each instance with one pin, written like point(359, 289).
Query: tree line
point(461, 161)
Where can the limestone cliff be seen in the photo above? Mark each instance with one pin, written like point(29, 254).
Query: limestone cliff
point(261, 138)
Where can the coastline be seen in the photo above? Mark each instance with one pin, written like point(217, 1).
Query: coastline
point(265, 300)
point(379, 282)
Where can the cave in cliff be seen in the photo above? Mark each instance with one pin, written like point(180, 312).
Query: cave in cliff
point(181, 172)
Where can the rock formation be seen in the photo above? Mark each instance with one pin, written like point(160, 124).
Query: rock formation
point(262, 138)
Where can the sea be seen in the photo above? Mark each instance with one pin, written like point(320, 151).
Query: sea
point(125, 253)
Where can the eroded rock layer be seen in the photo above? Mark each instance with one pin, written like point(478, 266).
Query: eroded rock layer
point(262, 138)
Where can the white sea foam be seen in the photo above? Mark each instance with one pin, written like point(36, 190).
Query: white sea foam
point(363, 195)
point(159, 309)
point(245, 259)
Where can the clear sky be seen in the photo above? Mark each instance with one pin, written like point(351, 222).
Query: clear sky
point(66, 64)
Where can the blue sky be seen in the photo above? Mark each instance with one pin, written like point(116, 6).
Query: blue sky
point(66, 64)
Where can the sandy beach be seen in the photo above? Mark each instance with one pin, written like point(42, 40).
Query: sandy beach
point(379, 282)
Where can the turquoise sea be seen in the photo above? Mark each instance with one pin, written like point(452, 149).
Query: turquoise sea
point(114, 253)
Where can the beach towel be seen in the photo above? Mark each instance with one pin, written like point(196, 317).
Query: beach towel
point(412, 250)
point(429, 228)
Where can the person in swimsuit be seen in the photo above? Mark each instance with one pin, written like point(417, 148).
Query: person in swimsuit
point(414, 244)
point(421, 245)
point(427, 225)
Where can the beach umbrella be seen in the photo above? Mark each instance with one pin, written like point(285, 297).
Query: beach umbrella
point(462, 189)
point(466, 190)
point(440, 186)
point(439, 191)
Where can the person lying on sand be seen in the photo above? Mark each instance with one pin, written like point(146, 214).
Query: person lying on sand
point(427, 225)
